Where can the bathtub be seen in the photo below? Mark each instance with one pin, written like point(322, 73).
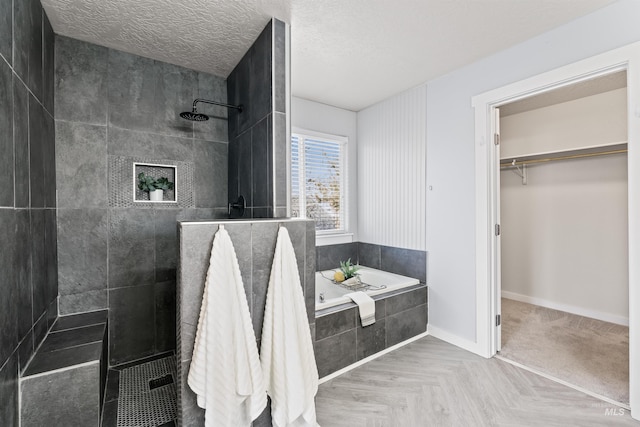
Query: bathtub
point(329, 294)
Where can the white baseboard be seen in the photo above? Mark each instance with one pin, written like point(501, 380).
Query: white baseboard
point(580, 311)
point(454, 340)
point(370, 358)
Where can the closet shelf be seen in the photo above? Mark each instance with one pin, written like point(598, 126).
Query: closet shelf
point(600, 150)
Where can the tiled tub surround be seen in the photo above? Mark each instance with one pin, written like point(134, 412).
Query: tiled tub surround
point(114, 107)
point(28, 255)
point(254, 243)
point(340, 338)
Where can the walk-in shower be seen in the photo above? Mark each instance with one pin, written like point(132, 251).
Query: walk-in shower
point(194, 116)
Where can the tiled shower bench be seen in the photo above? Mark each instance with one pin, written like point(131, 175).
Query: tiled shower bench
point(63, 383)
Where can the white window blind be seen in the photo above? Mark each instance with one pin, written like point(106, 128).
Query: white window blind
point(318, 180)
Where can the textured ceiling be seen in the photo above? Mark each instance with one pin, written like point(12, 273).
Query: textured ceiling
point(347, 53)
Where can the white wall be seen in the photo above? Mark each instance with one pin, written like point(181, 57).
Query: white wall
point(309, 115)
point(451, 149)
point(392, 171)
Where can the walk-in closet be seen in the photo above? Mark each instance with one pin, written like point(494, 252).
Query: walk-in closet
point(564, 234)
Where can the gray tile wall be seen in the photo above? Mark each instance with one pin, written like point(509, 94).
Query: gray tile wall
point(254, 243)
point(407, 262)
point(110, 103)
point(341, 340)
point(28, 259)
point(258, 134)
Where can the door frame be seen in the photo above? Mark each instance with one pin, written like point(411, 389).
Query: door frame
point(487, 278)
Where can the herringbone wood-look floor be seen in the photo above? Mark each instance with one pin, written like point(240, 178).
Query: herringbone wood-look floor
point(432, 383)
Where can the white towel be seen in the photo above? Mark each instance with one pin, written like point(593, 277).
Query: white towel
point(286, 354)
point(366, 306)
point(225, 369)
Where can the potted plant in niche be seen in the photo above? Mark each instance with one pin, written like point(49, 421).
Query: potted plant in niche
point(154, 186)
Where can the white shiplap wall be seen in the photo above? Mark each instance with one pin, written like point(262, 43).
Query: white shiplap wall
point(392, 171)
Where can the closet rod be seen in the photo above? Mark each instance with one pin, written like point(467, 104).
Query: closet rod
point(551, 159)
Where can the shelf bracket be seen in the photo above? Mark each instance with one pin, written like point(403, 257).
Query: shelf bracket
point(522, 173)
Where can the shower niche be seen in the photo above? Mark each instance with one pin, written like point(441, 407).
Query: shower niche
point(148, 177)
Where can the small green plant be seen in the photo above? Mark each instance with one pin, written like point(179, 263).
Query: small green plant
point(149, 183)
point(348, 269)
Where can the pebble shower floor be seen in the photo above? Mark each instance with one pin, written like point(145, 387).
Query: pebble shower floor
point(147, 394)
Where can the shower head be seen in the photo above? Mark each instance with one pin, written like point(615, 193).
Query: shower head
point(194, 116)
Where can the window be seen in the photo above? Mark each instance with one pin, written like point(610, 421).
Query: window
point(318, 180)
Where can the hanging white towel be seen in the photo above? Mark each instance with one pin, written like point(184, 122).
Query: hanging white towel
point(286, 354)
point(225, 368)
point(366, 307)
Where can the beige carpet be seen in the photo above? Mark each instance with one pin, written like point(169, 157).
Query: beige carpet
point(589, 353)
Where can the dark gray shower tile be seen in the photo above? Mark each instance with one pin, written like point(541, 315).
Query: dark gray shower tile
point(71, 338)
point(85, 301)
point(261, 165)
point(49, 160)
point(329, 257)
point(63, 358)
point(166, 244)
point(21, 143)
point(82, 250)
point(165, 315)
point(36, 153)
point(129, 143)
point(336, 323)
point(6, 29)
point(38, 263)
point(6, 135)
point(80, 320)
point(35, 48)
point(245, 175)
point(40, 328)
point(263, 241)
point(192, 414)
point(232, 175)
point(132, 100)
point(110, 414)
point(9, 394)
point(406, 324)
point(173, 148)
point(21, 38)
point(75, 401)
point(25, 351)
point(408, 262)
point(280, 65)
point(369, 255)
point(371, 339)
point(81, 81)
point(81, 160)
point(131, 247)
point(336, 352)
point(131, 323)
point(239, 94)
point(195, 251)
point(50, 256)
point(260, 86)
point(48, 64)
point(406, 300)
point(216, 128)
point(174, 94)
point(113, 385)
point(210, 174)
point(233, 97)
point(8, 292)
point(279, 150)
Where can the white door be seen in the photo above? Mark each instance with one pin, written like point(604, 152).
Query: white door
point(497, 256)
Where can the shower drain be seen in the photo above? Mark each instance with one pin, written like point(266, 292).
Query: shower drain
point(147, 395)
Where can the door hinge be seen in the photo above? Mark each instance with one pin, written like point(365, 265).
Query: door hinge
point(497, 229)
point(496, 138)
point(497, 320)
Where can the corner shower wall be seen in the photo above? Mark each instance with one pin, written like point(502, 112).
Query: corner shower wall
point(259, 135)
point(113, 108)
point(28, 272)
point(254, 243)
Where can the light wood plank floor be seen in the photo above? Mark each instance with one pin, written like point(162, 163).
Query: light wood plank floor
point(432, 383)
